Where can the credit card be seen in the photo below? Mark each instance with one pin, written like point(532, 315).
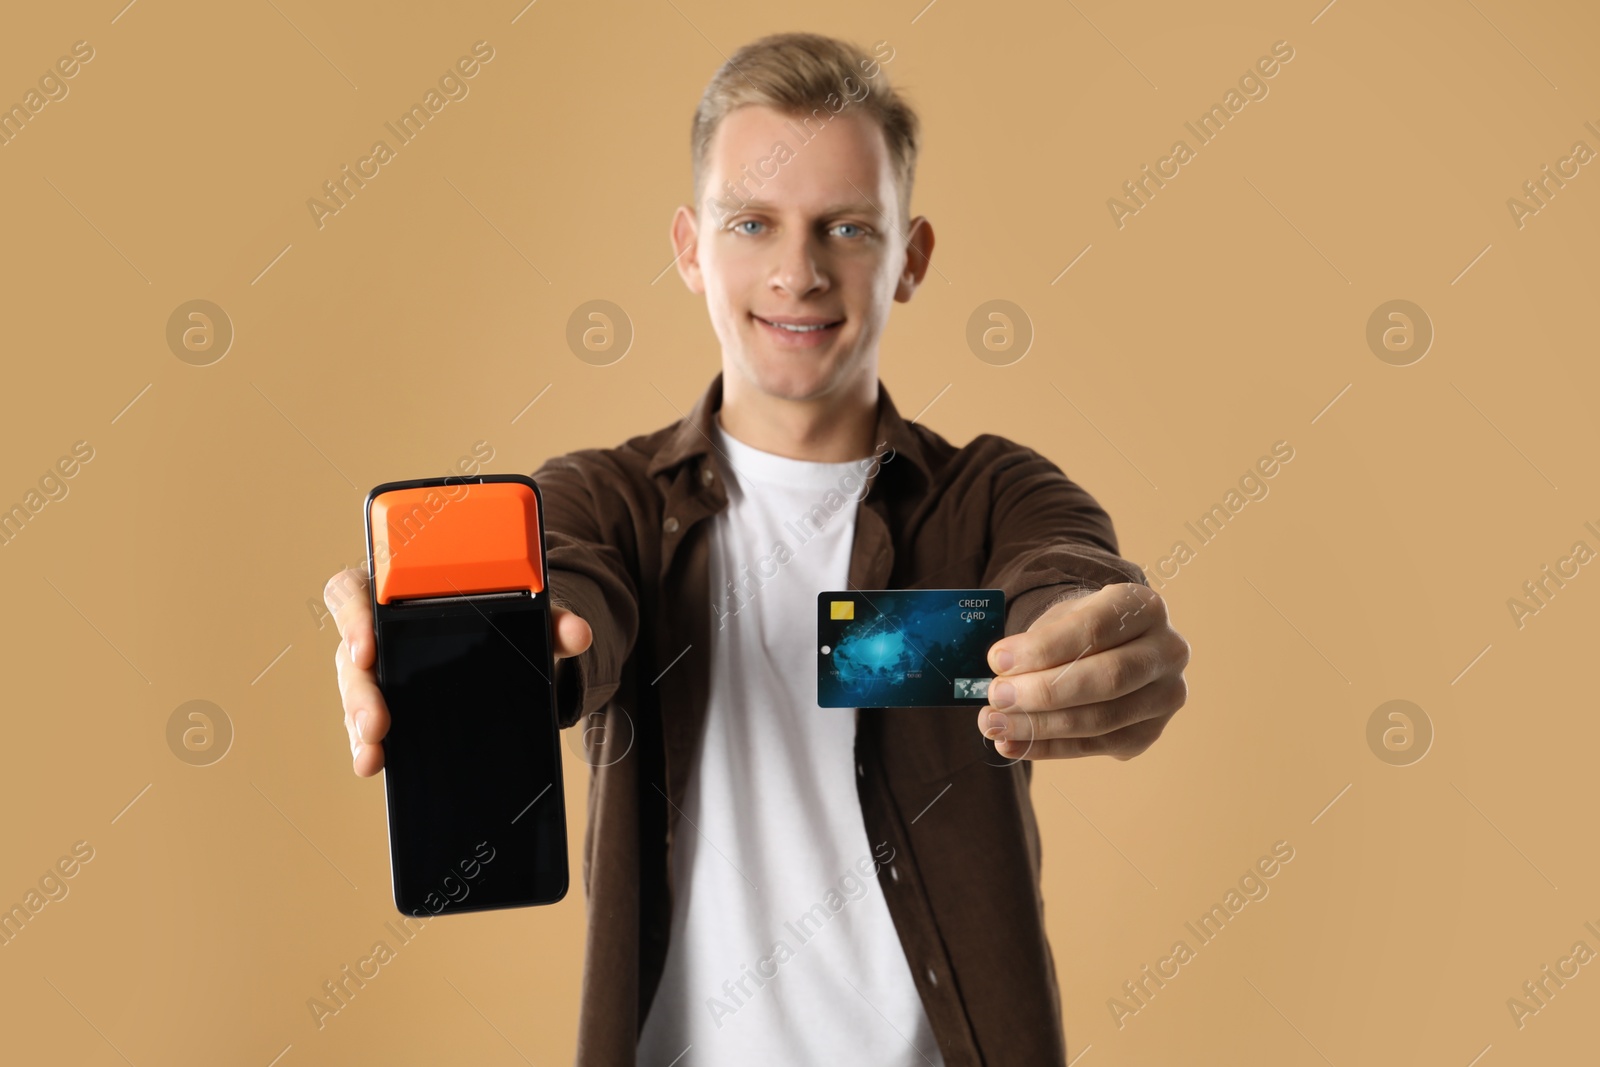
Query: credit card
point(907, 648)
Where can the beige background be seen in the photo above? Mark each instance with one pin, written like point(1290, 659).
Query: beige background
point(1227, 315)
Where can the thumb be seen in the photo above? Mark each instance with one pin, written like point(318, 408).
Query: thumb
point(573, 635)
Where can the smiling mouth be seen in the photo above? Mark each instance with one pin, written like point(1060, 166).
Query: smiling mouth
point(799, 328)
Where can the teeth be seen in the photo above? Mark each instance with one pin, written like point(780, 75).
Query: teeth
point(797, 329)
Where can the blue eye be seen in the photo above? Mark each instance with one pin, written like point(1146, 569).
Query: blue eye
point(737, 227)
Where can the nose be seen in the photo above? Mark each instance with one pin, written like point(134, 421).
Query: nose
point(798, 271)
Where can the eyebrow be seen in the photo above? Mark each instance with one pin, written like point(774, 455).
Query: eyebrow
point(859, 207)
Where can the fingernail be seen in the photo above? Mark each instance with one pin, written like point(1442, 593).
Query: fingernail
point(1004, 660)
point(361, 726)
point(997, 726)
point(1002, 694)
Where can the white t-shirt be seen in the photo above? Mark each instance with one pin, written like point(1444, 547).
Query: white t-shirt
point(782, 951)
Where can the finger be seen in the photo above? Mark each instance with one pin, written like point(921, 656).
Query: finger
point(573, 633)
point(1082, 626)
point(346, 595)
point(368, 760)
point(1123, 744)
point(1161, 697)
point(1099, 678)
point(366, 715)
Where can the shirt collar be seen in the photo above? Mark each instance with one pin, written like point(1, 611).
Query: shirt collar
point(692, 436)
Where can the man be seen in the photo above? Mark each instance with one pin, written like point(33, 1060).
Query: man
point(769, 881)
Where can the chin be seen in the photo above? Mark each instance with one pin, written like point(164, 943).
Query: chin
point(792, 377)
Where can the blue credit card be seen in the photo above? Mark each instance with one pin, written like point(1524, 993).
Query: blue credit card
point(906, 648)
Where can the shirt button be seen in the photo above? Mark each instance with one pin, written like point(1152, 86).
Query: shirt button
point(894, 875)
point(707, 475)
point(933, 979)
point(671, 524)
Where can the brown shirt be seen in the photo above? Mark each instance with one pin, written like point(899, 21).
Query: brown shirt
point(627, 550)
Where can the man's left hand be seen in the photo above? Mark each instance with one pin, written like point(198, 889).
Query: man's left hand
point(1100, 674)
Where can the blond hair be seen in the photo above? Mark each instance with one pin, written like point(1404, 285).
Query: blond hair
point(798, 74)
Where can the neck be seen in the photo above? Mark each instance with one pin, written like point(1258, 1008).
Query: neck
point(835, 428)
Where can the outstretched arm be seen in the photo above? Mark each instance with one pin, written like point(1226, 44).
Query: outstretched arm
point(1090, 663)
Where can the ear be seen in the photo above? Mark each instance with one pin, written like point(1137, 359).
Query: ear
point(684, 235)
point(919, 250)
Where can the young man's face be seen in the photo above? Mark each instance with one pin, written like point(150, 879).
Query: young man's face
point(806, 246)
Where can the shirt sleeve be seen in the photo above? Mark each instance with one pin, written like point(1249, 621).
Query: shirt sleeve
point(1049, 540)
point(589, 576)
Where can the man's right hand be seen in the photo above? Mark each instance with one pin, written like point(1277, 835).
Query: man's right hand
point(366, 716)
